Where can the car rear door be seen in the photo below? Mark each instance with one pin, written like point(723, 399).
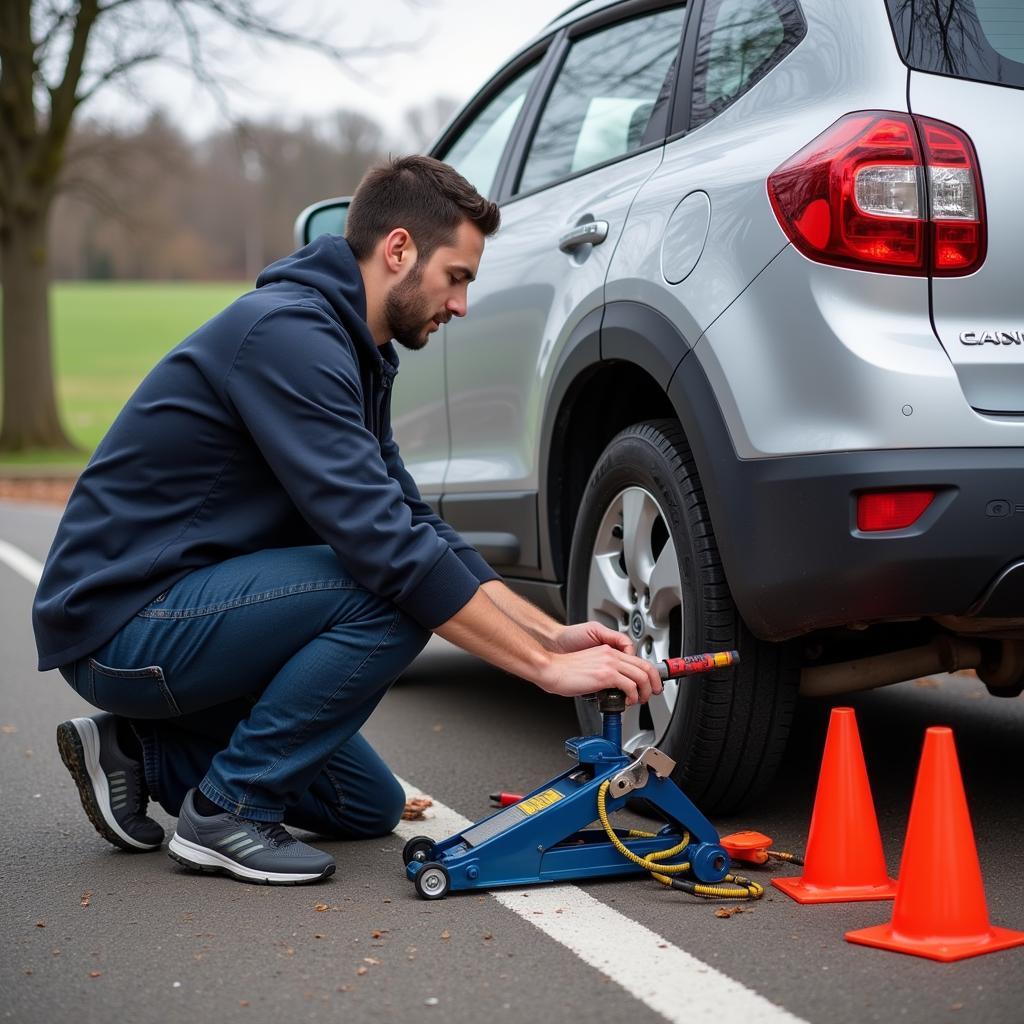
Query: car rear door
point(595, 139)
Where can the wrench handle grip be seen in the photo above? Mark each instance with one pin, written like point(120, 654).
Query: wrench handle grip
point(693, 664)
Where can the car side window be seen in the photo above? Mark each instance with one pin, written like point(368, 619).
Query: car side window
point(476, 153)
point(610, 98)
point(740, 41)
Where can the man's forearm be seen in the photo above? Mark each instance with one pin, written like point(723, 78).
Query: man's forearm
point(527, 616)
point(484, 629)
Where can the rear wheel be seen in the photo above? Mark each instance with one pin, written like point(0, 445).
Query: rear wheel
point(644, 561)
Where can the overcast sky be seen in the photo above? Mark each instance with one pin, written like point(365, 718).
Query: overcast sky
point(458, 45)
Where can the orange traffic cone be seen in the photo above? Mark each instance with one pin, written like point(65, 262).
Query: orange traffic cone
point(844, 860)
point(940, 909)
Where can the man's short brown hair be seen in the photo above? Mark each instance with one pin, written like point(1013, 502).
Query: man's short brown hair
point(428, 198)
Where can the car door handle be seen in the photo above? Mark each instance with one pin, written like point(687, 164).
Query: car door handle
point(591, 232)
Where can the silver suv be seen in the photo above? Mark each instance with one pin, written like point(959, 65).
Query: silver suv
point(744, 366)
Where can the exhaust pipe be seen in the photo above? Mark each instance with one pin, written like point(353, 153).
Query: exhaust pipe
point(943, 654)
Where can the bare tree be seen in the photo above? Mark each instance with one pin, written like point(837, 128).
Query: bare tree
point(55, 55)
point(423, 123)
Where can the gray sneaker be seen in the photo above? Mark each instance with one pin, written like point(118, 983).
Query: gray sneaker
point(250, 851)
point(110, 783)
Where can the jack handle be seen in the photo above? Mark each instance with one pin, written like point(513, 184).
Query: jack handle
point(614, 701)
point(693, 664)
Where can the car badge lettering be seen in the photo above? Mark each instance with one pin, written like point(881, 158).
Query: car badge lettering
point(992, 337)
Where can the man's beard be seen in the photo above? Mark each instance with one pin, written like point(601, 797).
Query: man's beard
point(406, 312)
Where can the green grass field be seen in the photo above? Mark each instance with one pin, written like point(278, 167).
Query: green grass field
point(107, 336)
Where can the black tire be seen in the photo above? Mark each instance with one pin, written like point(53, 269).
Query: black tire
point(417, 848)
point(728, 729)
point(432, 881)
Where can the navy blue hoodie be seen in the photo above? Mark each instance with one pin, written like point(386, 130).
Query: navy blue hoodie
point(268, 427)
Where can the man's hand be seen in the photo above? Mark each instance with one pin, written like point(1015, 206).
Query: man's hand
point(593, 669)
point(590, 657)
point(589, 634)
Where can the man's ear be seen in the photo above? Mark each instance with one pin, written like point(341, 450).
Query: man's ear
point(399, 251)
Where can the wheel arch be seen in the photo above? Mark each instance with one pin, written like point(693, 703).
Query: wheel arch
point(614, 370)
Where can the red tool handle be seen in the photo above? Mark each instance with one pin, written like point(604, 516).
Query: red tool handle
point(693, 664)
point(505, 799)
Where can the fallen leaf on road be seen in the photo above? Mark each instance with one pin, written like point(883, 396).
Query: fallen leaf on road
point(8, 729)
point(317, 935)
point(95, 974)
point(728, 912)
point(446, 934)
point(377, 934)
point(415, 806)
point(361, 969)
point(487, 936)
point(321, 907)
point(40, 924)
point(438, 727)
point(86, 898)
point(243, 1002)
point(370, 960)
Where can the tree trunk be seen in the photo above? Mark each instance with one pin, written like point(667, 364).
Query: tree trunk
point(30, 418)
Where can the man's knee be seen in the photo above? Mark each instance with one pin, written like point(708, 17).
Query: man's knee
point(392, 627)
point(383, 810)
point(369, 813)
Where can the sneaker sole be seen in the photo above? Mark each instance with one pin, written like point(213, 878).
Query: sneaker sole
point(201, 858)
point(79, 744)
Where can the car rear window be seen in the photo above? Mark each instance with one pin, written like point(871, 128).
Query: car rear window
point(980, 40)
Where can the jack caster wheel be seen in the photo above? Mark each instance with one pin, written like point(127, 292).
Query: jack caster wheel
point(432, 881)
point(417, 849)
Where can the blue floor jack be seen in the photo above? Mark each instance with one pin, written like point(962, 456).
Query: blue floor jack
point(544, 838)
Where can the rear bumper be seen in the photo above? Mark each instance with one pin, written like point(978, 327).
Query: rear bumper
point(794, 559)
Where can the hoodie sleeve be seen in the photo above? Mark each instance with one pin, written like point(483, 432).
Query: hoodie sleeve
point(423, 513)
point(295, 385)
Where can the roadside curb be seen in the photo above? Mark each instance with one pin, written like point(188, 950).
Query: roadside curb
point(51, 488)
point(58, 471)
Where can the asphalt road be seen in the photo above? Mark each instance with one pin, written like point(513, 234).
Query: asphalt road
point(156, 943)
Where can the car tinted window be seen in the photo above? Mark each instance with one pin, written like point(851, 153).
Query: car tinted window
point(982, 40)
point(740, 41)
point(476, 153)
point(609, 98)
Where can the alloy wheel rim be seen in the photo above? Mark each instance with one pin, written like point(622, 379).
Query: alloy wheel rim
point(634, 586)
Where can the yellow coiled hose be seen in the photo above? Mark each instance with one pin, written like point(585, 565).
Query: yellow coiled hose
point(740, 888)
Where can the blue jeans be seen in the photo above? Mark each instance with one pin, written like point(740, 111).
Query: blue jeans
point(251, 679)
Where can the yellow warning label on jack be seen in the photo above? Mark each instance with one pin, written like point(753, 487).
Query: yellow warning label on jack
point(540, 801)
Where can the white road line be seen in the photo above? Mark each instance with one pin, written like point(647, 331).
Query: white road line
point(670, 981)
point(22, 564)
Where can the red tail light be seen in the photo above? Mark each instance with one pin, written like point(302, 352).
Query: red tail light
point(882, 191)
point(891, 510)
